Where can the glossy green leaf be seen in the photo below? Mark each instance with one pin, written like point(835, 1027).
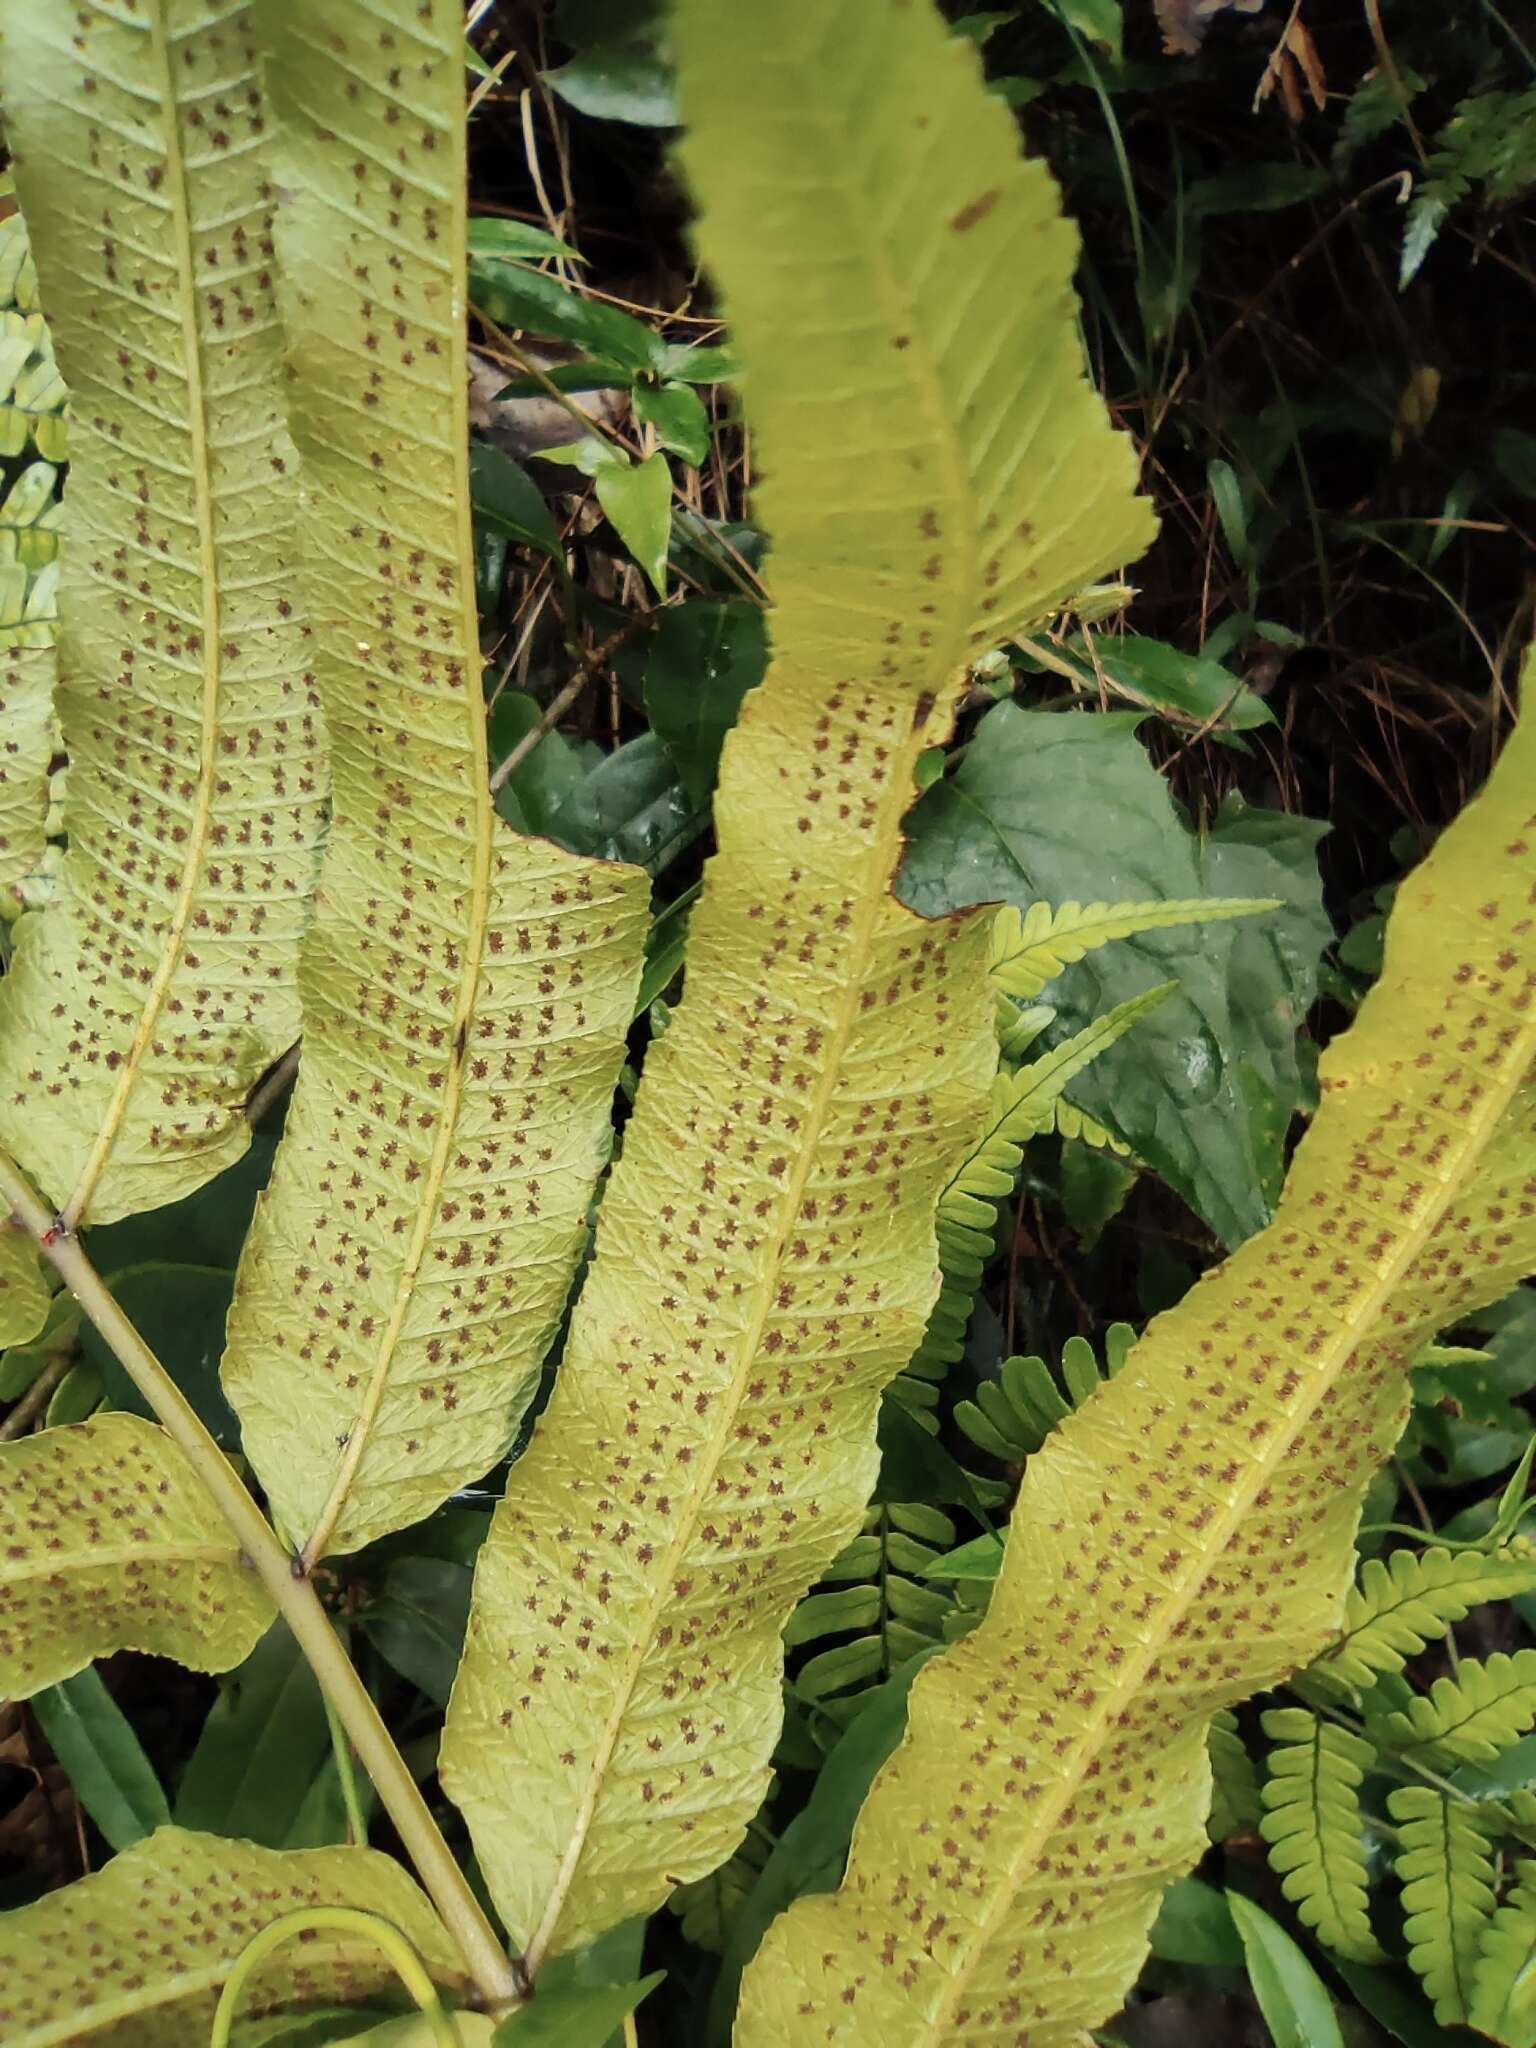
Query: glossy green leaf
point(618, 84)
point(506, 498)
point(1194, 1925)
point(695, 668)
point(263, 1769)
point(1020, 821)
point(110, 1774)
point(180, 1313)
point(416, 1621)
point(637, 496)
point(677, 413)
point(1292, 1997)
point(575, 2015)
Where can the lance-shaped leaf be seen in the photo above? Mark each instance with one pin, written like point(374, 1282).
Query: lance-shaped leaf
point(147, 999)
point(937, 470)
point(136, 1955)
point(108, 1541)
point(1185, 1538)
point(24, 1294)
point(466, 993)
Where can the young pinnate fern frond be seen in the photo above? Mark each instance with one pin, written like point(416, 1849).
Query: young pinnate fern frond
point(1468, 1718)
point(1409, 1599)
point(1012, 1416)
point(1312, 1823)
point(1031, 947)
point(1445, 1862)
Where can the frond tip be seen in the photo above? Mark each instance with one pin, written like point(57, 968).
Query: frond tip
point(1411, 1598)
point(1031, 947)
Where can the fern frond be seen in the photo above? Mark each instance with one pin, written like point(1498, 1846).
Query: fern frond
point(1186, 1537)
point(765, 1252)
point(466, 992)
point(24, 1295)
point(1312, 1823)
point(1409, 1599)
point(883, 1601)
point(147, 998)
point(112, 1543)
point(1445, 1862)
point(138, 1952)
point(1022, 1105)
point(1235, 1802)
point(1031, 947)
point(1013, 1415)
point(1469, 1718)
point(1503, 2000)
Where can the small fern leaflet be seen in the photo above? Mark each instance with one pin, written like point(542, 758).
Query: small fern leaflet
point(1469, 1718)
point(1312, 1823)
point(1411, 1598)
point(1031, 947)
point(1445, 1862)
point(1504, 1975)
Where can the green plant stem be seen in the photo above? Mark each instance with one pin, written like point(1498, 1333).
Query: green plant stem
point(496, 1979)
point(409, 1967)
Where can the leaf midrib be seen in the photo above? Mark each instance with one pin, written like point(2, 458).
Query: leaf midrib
point(1132, 1673)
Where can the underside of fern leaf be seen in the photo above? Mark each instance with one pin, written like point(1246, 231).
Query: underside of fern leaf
point(135, 1956)
point(765, 1254)
point(111, 1543)
point(465, 992)
point(145, 1001)
point(1185, 1537)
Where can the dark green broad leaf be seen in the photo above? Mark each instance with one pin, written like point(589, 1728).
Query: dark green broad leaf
point(618, 82)
point(810, 1854)
point(1290, 1994)
point(321, 2026)
point(1273, 967)
point(510, 294)
point(1194, 1925)
point(632, 806)
point(1468, 1420)
point(506, 499)
point(693, 670)
point(179, 1311)
point(1193, 688)
point(264, 1768)
point(550, 773)
point(417, 1621)
point(112, 1777)
point(1060, 808)
point(575, 2015)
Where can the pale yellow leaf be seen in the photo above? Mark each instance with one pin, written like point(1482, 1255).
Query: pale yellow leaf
point(937, 471)
point(146, 1000)
point(466, 992)
point(108, 1541)
point(136, 1955)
